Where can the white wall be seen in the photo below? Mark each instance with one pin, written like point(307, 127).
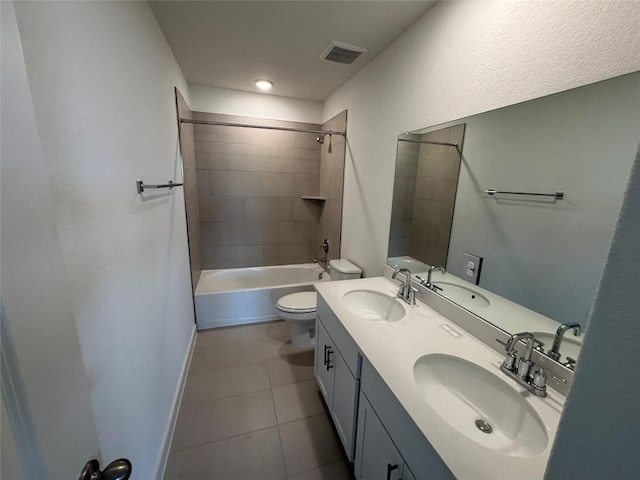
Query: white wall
point(48, 429)
point(459, 59)
point(247, 104)
point(102, 79)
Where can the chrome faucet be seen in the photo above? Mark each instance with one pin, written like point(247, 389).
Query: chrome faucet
point(406, 292)
point(427, 283)
point(522, 370)
point(554, 351)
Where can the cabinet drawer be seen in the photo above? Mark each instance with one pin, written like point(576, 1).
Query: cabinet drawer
point(415, 448)
point(341, 338)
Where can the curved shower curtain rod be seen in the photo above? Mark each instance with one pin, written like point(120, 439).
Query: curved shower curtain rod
point(265, 127)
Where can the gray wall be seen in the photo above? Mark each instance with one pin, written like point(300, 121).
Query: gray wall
point(600, 426)
point(547, 256)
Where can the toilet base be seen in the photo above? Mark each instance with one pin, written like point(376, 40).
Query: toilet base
point(303, 333)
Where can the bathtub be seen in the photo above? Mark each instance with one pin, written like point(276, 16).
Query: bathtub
point(238, 296)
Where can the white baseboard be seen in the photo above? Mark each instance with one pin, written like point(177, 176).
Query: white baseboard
point(173, 417)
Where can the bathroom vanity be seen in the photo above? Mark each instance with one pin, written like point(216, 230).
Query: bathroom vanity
point(414, 395)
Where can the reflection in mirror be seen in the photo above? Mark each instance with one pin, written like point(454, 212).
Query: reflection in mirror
point(424, 192)
point(542, 256)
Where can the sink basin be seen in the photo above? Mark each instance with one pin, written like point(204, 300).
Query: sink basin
point(463, 296)
point(471, 399)
point(373, 305)
point(569, 347)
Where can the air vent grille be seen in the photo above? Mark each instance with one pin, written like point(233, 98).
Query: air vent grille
point(342, 53)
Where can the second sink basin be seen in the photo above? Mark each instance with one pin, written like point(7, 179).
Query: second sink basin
point(463, 296)
point(373, 305)
point(480, 405)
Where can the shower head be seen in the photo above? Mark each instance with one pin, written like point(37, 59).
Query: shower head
point(320, 139)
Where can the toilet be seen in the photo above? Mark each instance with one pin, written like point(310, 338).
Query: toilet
point(300, 308)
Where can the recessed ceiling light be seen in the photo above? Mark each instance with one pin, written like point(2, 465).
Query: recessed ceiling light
point(264, 84)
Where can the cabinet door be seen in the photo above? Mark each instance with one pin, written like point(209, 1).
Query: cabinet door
point(376, 456)
point(345, 398)
point(324, 365)
point(406, 473)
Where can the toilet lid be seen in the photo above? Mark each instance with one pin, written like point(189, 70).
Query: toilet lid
point(302, 302)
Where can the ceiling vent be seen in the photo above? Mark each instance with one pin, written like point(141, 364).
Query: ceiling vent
point(342, 53)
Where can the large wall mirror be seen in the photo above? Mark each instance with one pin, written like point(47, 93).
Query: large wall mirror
point(563, 161)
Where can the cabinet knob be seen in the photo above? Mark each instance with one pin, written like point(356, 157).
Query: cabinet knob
point(390, 468)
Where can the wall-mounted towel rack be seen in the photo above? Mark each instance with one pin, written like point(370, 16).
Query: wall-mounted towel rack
point(140, 186)
point(556, 195)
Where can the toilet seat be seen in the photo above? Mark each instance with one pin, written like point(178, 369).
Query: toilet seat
point(298, 303)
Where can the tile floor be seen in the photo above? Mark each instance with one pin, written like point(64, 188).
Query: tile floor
point(251, 409)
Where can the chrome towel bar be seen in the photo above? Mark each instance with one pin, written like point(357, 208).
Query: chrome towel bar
point(556, 195)
point(140, 186)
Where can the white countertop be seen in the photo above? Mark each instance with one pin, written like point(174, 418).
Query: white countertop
point(393, 348)
point(505, 314)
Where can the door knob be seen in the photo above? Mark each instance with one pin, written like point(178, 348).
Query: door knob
point(117, 470)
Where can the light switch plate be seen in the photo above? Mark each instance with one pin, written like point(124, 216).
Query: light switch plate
point(471, 266)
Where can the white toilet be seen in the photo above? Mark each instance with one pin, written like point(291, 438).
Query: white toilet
point(300, 308)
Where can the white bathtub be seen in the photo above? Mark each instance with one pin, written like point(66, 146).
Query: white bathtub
point(248, 295)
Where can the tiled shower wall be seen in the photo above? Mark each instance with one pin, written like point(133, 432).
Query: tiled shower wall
point(436, 186)
point(249, 185)
point(424, 192)
point(404, 189)
point(190, 188)
point(331, 186)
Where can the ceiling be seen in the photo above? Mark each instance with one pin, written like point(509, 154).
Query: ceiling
point(229, 44)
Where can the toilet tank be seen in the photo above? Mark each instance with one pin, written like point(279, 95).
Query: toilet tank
point(342, 269)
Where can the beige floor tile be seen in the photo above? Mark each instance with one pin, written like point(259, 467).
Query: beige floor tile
point(228, 354)
point(291, 367)
point(208, 385)
point(308, 443)
point(220, 336)
point(275, 333)
point(253, 456)
point(200, 423)
point(296, 401)
point(340, 470)
point(284, 348)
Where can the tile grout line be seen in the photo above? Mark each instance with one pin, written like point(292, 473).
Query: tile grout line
point(228, 397)
point(273, 400)
point(223, 439)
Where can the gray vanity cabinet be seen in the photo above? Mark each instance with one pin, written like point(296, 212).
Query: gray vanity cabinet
point(400, 432)
point(357, 397)
point(338, 383)
point(376, 455)
point(323, 369)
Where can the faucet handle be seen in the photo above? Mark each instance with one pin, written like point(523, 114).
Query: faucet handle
point(411, 295)
point(570, 363)
point(553, 375)
point(510, 361)
point(539, 380)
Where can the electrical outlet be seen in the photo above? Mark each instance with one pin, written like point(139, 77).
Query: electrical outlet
point(471, 267)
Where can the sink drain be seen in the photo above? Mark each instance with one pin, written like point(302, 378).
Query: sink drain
point(483, 426)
